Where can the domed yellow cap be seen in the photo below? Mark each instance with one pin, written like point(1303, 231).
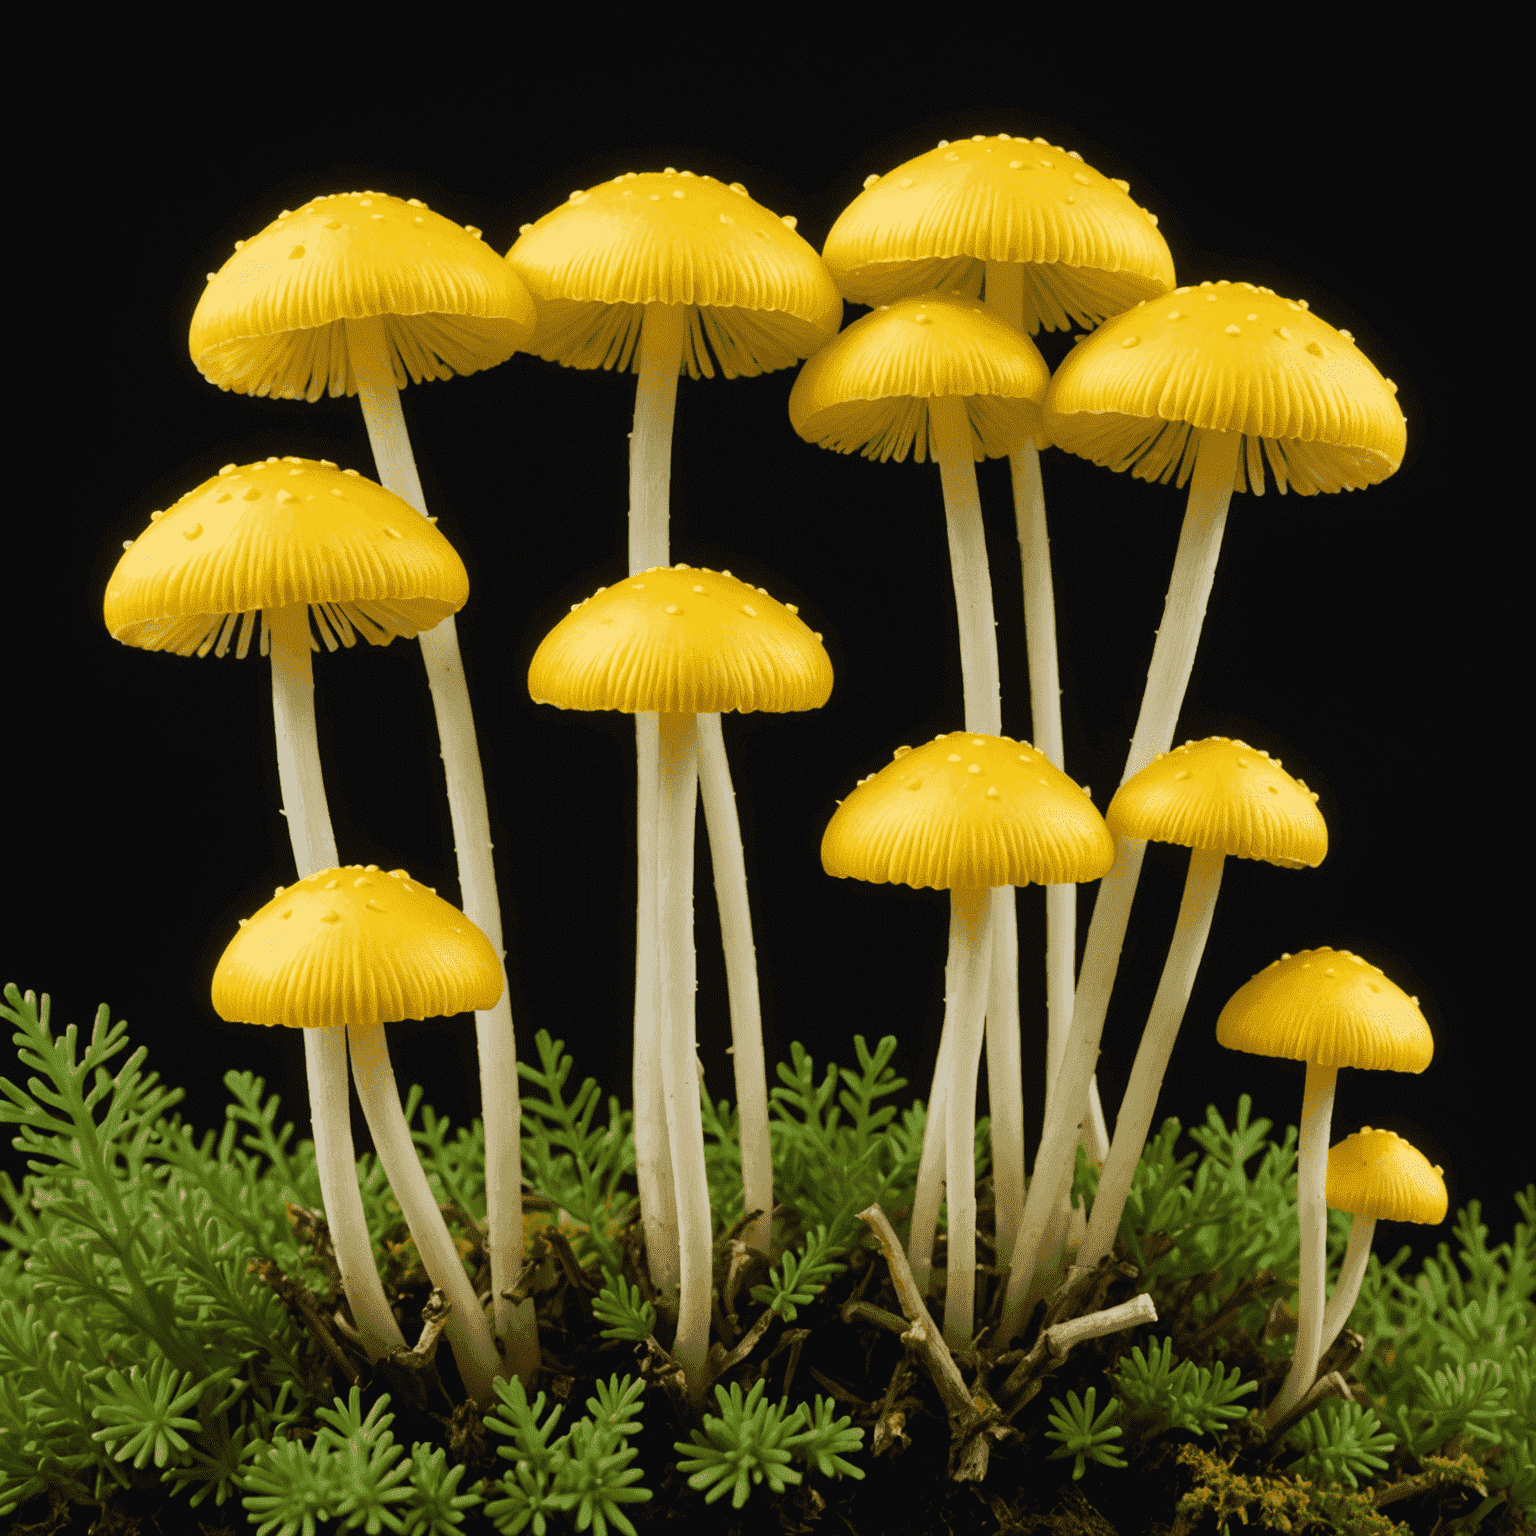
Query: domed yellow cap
point(1378, 1174)
point(1087, 249)
point(1331, 1007)
point(1224, 797)
point(273, 534)
point(756, 289)
point(354, 946)
point(869, 389)
point(1228, 357)
point(681, 641)
point(967, 810)
point(270, 320)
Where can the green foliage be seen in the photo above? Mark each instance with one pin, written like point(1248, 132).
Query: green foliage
point(1342, 1442)
point(570, 1162)
point(585, 1471)
point(1189, 1397)
point(795, 1281)
point(1081, 1434)
point(627, 1314)
point(753, 1441)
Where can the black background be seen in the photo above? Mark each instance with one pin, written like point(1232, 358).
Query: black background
point(1355, 636)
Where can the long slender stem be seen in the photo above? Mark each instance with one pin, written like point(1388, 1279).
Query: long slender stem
point(467, 1331)
point(929, 1189)
point(950, 436)
point(1351, 1275)
point(729, 862)
point(969, 971)
point(677, 806)
point(325, 1050)
point(650, 481)
point(1005, 1070)
point(1137, 1109)
point(1173, 655)
point(1312, 1217)
point(495, 1039)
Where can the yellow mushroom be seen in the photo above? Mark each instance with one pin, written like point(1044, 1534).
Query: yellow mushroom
point(346, 951)
point(966, 813)
point(682, 643)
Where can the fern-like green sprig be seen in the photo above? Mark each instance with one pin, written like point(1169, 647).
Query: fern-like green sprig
point(743, 1447)
point(1342, 1442)
point(628, 1315)
point(1198, 1399)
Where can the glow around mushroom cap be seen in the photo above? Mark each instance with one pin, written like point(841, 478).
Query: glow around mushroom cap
point(1331, 1007)
point(967, 810)
point(273, 534)
point(270, 320)
point(355, 946)
point(1222, 796)
point(1088, 249)
point(1228, 357)
point(1378, 1174)
point(757, 290)
point(869, 388)
point(681, 641)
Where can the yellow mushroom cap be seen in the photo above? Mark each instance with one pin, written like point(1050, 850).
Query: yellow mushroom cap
point(277, 533)
point(756, 289)
point(1088, 250)
point(269, 321)
point(967, 810)
point(1378, 1174)
point(681, 641)
point(1228, 357)
point(1224, 797)
point(355, 946)
point(869, 388)
point(1331, 1007)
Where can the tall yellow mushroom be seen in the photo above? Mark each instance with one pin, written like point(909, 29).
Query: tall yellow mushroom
point(287, 541)
point(966, 813)
point(1049, 242)
point(353, 294)
point(684, 644)
point(941, 377)
point(1206, 386)
point(657, 272)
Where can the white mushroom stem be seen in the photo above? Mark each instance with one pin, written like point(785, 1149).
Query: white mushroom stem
point(650, 481)
point(495, 1040)
point(729, 863)
point(677, 806)
point(467, 1331)
point(1137, 1108)
point(1005, 296)
point(1312, 1216)
point(965, 983)
point(325, 1050)
point(1173, 657)
point(1352, 1274)
point(950, 438)
point(928, 1192)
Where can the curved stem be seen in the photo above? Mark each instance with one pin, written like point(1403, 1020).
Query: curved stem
point(677, 807)
point(1005, 1070)
point(966, 983)
point(325, 1066)
point(1312, 1216)
point(474, 1350)
point(949, 430)
point(1137, 1109)
point(653, 1155)
point(660, 356)
point(929, 1190)
point(1351, 1275)
point(325, 1050)
point(496, 1042)
point(729, 863)
point(1173, 656)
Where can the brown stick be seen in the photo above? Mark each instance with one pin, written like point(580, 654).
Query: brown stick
point(298, 1300)
point(1054, 1343)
